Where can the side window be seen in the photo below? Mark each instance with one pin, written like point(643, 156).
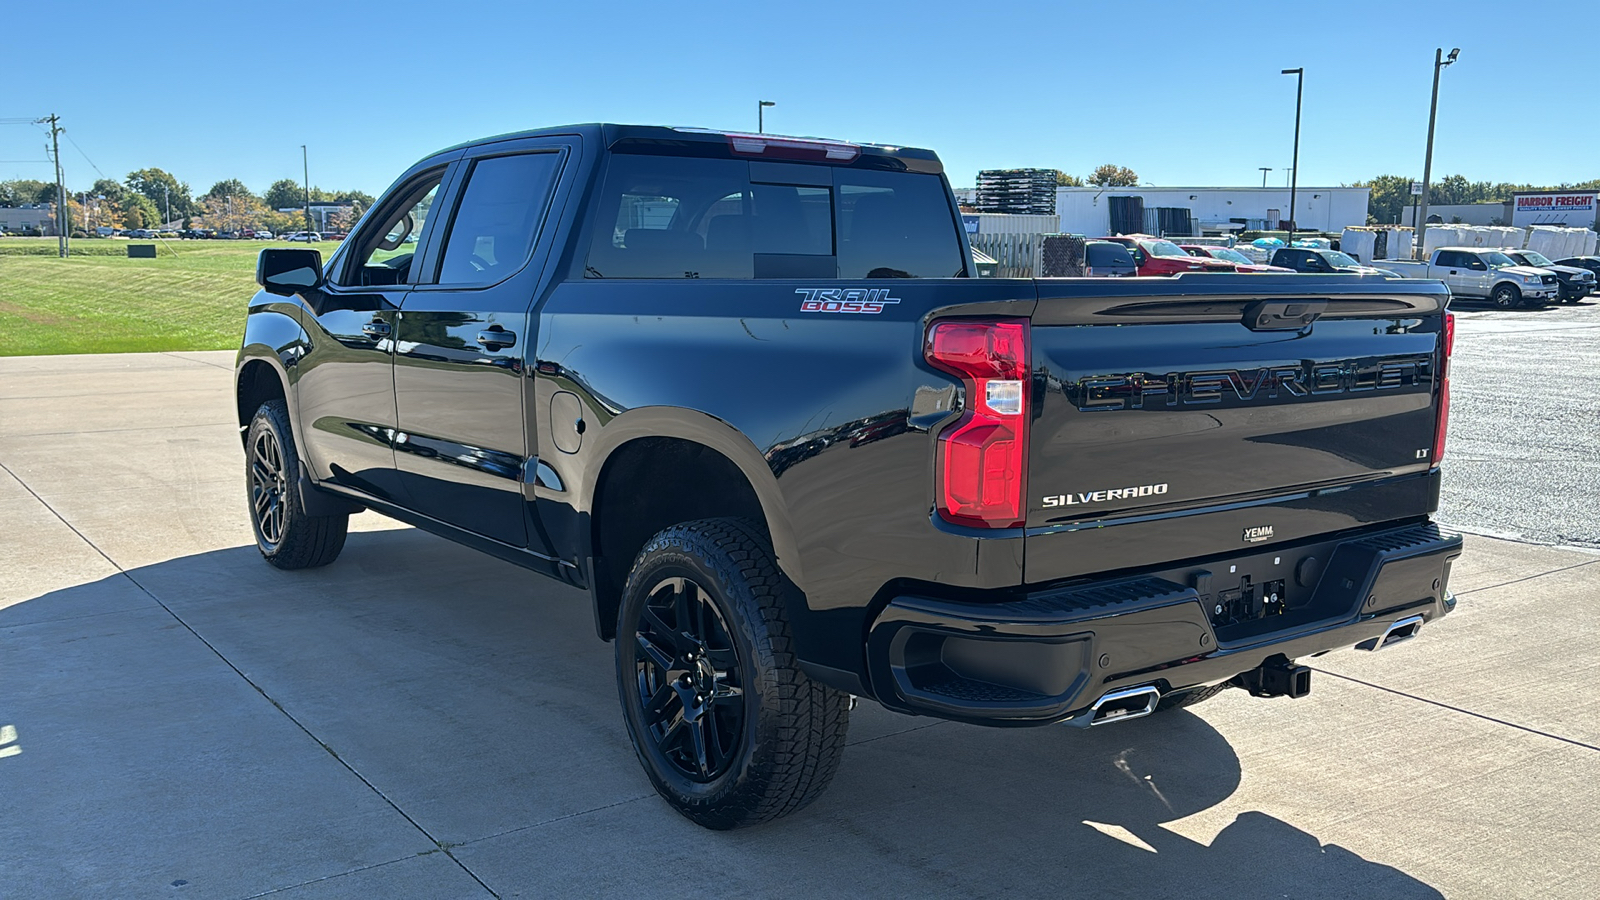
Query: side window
point(385, 249)
point(690, 217)
point(895, 225)
point(1449, 259)
point(498, 217)
point(678, 217)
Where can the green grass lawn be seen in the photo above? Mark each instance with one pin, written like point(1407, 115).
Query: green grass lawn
point(191, 297)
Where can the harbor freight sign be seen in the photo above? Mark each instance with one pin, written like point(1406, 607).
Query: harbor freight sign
point(1574, 209)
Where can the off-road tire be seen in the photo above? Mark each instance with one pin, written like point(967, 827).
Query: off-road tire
point(792, 730)
point(1190, 696)
point(302, 541)
point(1506, 296)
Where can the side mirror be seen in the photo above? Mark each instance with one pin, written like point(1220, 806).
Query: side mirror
point(288, 270)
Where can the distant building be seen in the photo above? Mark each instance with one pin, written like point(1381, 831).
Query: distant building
point(321, 213)
point(1193, 211)
point(1570, 209)
point(40, 217)
point(1025, 191)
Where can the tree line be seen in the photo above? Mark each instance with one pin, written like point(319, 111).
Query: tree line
point(1390, 200)
point(143, 199)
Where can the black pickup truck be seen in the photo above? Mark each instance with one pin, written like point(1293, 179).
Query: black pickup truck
point(742, 390)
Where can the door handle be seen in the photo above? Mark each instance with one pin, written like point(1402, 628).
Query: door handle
point(375, 328)
point(497, 337)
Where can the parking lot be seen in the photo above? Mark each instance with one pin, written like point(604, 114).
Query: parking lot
point(177, 718)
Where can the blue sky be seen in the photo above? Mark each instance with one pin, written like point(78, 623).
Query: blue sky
point(1185, 94)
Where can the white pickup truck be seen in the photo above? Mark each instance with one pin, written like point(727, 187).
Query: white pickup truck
point(1483, 274)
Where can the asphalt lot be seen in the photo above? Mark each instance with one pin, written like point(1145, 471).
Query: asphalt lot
point(1524, 449)
point(179, 719)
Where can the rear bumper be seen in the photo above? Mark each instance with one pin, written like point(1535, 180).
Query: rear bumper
point(1049, 655)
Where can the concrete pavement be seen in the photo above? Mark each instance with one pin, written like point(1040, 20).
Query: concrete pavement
point(179, 719)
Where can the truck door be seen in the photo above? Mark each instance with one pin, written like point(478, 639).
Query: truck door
point(1448, 268)
point(463, 340)
point(344, 385)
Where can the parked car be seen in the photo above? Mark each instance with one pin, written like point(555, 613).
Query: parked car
point(1158, 256)
point(1105, 259)
point(1483, 275)
point(305, 237)
point(1324, 262)
point(1241, 263)
point(1575, 282)
point(970, 499)
point(1592, 263)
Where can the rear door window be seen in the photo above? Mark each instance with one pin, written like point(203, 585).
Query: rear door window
point(685, 217)
point(895, 225)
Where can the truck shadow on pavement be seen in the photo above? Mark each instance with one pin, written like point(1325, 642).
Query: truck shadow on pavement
point(477, 699)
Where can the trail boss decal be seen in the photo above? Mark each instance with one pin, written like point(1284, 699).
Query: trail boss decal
point(1128, 493)
point(864, 301)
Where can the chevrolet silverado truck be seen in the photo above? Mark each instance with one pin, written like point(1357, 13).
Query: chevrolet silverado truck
point(1483, 275)
point(744, 392)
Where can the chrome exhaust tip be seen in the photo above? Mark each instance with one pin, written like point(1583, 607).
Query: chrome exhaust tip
point(1119, 706)
point(1402, 630)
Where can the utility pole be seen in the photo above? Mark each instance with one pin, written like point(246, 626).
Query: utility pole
point(1439, 62)
point(166, 195)
point(62, 217)
point(306, 170)
point(1294, 183)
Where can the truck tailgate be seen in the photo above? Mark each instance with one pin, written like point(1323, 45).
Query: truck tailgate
point(1179, 418)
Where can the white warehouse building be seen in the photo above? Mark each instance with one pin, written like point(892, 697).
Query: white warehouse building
point(1212, 210)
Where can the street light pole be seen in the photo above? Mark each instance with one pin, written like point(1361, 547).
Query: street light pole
point(1439, 62)
point(306, 171)
point(1294, 184)
point(1264, 171)
point(761, 121)
point(166, 195)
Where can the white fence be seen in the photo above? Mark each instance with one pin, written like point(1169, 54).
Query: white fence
point(1016, 255)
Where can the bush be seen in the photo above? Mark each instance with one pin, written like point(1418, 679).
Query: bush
point(78, 233)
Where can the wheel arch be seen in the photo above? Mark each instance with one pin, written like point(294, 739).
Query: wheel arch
point(258, 378)
point(715, 471)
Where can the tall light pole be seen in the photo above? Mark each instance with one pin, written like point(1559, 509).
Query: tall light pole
point(1439, 62)
point(761, 121)
point(1264, 171)
point(1294, 183)
point(306, 171)
point(167, 196)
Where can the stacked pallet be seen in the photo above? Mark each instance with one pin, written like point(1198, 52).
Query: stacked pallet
point(1025, 191)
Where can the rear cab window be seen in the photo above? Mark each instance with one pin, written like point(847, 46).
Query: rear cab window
point(691, 217)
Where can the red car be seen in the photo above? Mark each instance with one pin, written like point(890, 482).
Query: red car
point(1158, 256)
point(1241, 263)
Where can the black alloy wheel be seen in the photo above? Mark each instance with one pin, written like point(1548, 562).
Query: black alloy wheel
point(687, 679)
point(727, 725)
point(268, 487)
point(287, 536)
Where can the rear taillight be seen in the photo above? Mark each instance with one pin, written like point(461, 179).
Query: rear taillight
point(1444, 386)
point(982, 459)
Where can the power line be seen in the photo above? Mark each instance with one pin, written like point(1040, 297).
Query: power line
point(81, 153)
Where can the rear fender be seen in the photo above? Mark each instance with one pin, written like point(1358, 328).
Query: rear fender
point(711, 432)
